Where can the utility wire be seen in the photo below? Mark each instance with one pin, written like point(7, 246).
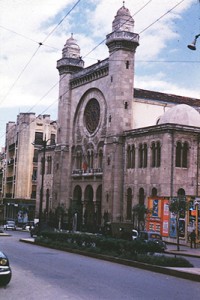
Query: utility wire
point(35, 52)
point(119, 27)
point(104, 40)
point(162, 16)
point(27, 38)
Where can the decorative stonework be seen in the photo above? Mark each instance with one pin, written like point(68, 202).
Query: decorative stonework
point(92, 115)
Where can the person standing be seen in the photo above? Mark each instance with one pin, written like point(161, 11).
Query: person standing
point(193, 239)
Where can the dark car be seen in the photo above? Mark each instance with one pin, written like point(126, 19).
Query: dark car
point(37, 229)
point(28, 226)
point(5, 270)
point(154, 239)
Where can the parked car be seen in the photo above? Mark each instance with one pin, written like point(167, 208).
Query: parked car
point(5, 270)
point(36, 230)
point(154, 239)
point(128, 234)
point(10, 225)
point(28, 226)
point(134, 234)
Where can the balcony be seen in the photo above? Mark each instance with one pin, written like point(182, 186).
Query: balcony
point(87, 173)
point(10, 178)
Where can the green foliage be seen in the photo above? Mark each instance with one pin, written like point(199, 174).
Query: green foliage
point(178, 205)
point(136, 250)
point(164, 261)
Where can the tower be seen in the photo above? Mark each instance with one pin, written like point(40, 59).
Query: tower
point(69, 64)
point(122, 43)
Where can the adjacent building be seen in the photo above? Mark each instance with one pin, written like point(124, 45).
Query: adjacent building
point(24, 138)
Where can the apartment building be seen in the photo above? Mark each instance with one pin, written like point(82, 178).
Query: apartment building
point(24, 138)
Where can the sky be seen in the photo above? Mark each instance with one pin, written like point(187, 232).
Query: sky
point(33, 33)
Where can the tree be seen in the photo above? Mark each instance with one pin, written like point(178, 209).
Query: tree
point(139, 212)
point(178, 206)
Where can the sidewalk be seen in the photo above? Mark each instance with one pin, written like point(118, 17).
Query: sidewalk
point(184, 250)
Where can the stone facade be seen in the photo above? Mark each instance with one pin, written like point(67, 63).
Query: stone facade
point(112, 153)
point(20, 168)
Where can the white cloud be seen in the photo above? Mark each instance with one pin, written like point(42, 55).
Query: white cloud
point(90, 21)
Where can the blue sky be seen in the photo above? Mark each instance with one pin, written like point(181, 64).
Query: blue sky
point(28, 74)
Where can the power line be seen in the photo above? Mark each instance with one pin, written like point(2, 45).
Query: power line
point(27, 38)
point(103, 41)
point(162, 16)
point(35, 52)
point(119, 27)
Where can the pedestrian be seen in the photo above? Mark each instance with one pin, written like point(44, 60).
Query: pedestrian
point(193, 239)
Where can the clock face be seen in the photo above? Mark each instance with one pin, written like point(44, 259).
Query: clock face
point(92, 115)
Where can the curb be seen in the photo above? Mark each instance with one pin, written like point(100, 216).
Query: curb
point(158, 269)
point(175, 252)
point(5, 234)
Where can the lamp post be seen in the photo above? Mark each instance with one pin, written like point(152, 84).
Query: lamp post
point(44, 145)
point(192, 46)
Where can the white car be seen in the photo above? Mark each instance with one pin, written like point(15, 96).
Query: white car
point(10, 225)
point(134, 234)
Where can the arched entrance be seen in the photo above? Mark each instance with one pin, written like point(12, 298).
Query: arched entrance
point(77, 208)
point(89, 216)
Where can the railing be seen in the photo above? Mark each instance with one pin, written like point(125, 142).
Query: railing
point(10, 178)
point(88, 172)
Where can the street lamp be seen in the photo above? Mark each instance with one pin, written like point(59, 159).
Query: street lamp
point(192, 46)
point(44, 145)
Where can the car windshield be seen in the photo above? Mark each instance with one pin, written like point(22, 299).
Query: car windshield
point(11, 222)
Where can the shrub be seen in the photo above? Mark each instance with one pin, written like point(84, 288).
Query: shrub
point(165, 261)
point(136, 250)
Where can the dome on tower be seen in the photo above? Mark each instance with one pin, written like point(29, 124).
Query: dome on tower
point(123, 11)
point(123, 20)
point(181, 114)
point(71, 48)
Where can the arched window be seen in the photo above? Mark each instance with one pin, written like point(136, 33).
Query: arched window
point(155, 154)
point(128, 157)
point(129, 204)
point(154, 192)
point(182, 154)
point(78, 160)
point(133, 156)
point(181, 192)
point(90, 158)
point(178, 154)
point(185, 155)
point(140, 156)
point(158, 154)
point(100, 161)
point(141, 196)
point(145, 156)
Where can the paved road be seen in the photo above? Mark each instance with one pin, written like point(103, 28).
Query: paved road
point(41, 273)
